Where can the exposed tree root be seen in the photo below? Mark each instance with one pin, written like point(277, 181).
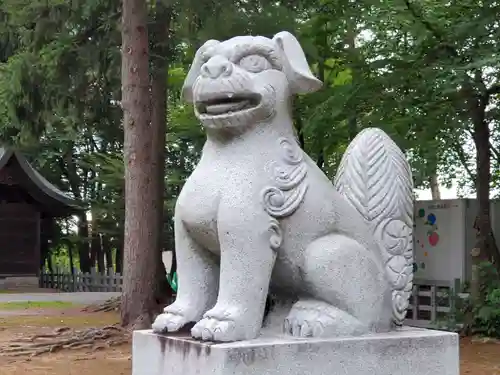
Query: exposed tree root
point(112, 304)
point(66, 338)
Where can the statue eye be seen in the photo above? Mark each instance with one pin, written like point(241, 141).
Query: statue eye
point(255, 63)
point(205, 57)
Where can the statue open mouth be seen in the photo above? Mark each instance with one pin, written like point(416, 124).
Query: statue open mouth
point(228, 104)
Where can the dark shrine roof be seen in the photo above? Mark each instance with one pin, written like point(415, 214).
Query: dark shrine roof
point(46, 194)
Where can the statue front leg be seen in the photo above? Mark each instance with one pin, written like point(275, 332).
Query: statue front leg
point(198, 280)
point(247, 261)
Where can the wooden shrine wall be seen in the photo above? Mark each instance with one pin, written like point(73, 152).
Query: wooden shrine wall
point(23, 217)
point(19, 239)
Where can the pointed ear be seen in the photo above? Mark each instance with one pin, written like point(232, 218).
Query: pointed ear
point(295, 66)
point(194, 71)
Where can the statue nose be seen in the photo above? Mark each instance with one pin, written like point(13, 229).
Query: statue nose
point(216, 66)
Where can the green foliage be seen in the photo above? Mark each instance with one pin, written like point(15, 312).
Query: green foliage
point(487, 320)
point(487, 313)
point(479, 317)
point(397, 64)
point(460, 306)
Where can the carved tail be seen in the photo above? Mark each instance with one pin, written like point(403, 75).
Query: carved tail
point(376, 179)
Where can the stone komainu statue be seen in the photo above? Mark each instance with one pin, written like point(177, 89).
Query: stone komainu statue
point(257, 215)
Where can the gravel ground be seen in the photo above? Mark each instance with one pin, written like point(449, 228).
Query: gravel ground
point(79, 297)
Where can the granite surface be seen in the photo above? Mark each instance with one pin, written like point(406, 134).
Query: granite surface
point(408, 351)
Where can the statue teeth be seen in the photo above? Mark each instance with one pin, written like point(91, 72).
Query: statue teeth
point(217, 109)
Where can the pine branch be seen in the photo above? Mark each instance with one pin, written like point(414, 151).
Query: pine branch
point(495, 152)
point(463, 159)
point(494, 89)
point(431, 28)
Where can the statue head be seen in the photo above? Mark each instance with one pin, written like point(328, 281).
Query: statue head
point(246, 79)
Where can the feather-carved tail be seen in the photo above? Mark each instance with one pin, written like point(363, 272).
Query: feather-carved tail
point(375, 177)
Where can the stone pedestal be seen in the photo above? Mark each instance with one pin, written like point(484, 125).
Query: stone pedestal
point(409, 351)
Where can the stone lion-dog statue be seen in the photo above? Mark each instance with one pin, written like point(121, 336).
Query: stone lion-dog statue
point(258, 217)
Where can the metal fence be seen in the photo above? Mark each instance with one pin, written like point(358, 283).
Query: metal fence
point(82, 282)
point(432, 301)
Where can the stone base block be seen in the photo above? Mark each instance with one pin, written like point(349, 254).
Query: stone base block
point(409, 351)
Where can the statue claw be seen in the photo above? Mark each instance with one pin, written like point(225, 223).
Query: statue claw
point(168, 322)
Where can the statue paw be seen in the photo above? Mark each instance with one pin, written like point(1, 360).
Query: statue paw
point(303, 328)
point(209, 329)
point(174, 317)
point(168, 322)
point(311, 318)
point(220, 324)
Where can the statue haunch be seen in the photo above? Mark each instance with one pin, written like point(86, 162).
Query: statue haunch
point(257, 215)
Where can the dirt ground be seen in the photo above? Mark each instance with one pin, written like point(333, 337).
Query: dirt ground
point(16, 324)
point(477, 358)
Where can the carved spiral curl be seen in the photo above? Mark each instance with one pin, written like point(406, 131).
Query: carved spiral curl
point(268, 101)
point(276, 235)
point(278, 204)
point(395, 236)
point(283, 198)
point(396, 239)
point(398, 272)
point(293, 153)
point(288, 179)
point(400, 303)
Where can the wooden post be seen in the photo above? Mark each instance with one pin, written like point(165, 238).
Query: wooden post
point(433, 303)
point(415, 302)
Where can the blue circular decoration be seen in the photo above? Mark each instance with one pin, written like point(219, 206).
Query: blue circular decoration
point(431, 218)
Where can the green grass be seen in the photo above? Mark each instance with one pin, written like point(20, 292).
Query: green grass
point(25, 305)
point(15, 291)
point(58, 320)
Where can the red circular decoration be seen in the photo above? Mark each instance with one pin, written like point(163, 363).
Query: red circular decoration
point(433, 239)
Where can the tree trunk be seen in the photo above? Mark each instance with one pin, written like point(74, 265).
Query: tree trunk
point(299, 129)
point(96, 250)
point(141, 171)
point(159, 75)
point(485, 248)
point(83, 244)
point(50, 266)
point(71, 260)
point(351, 34)
point(68, 167)
point(174, 264)
point(119, 255)
point(477, 101)
point(158, 124)
point(321, 160)
point(485, 241)
point(45, 256)
point(106, 247)
point(434, 185)
point(100, 255)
